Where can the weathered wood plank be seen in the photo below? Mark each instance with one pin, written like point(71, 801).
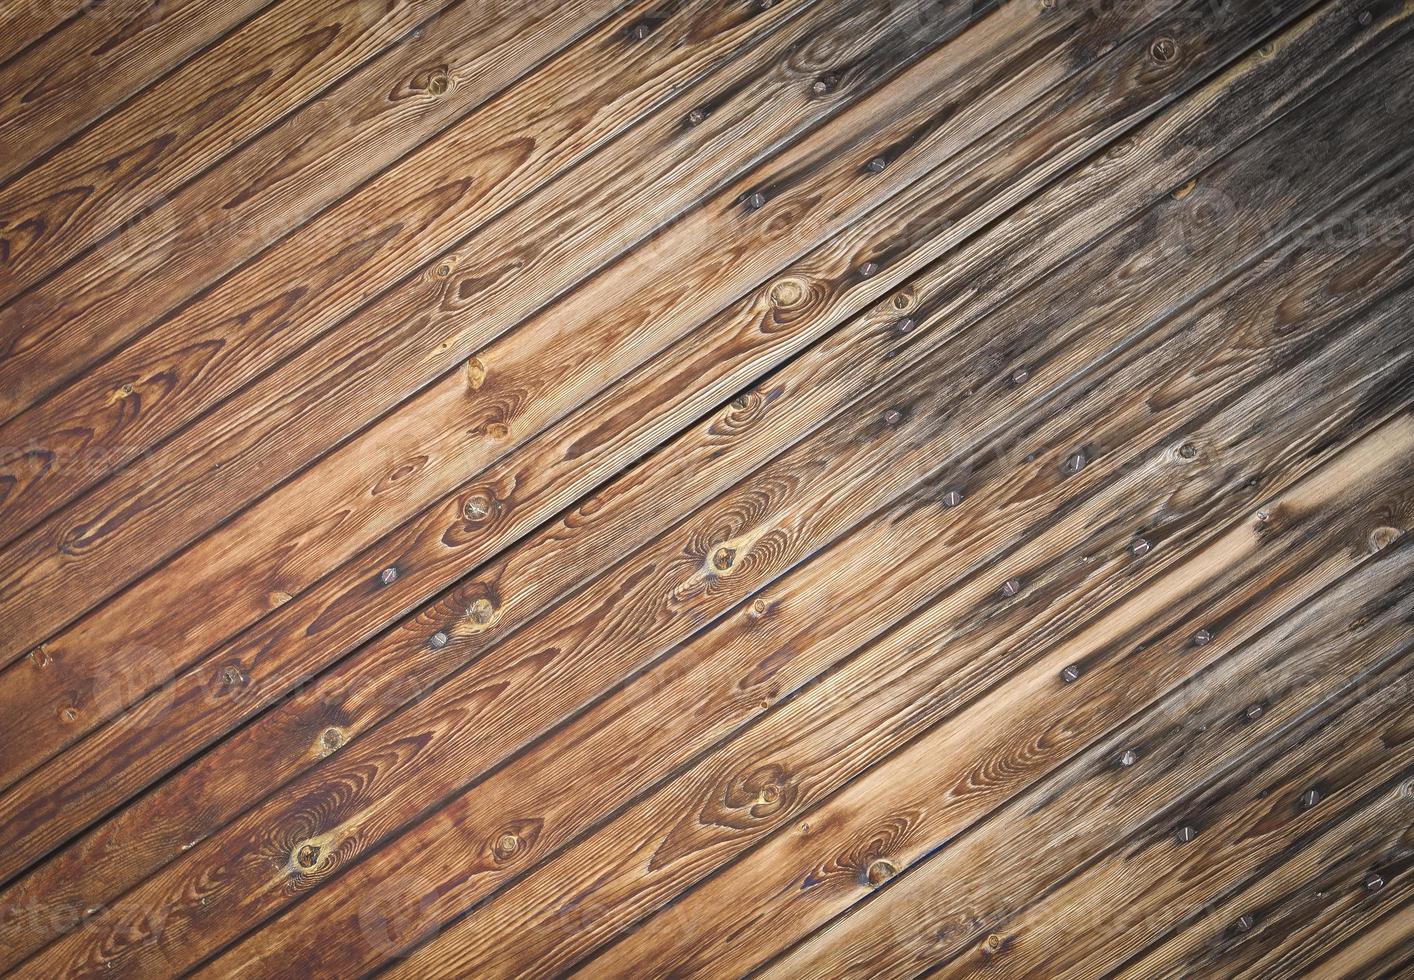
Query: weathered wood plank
point(609, 623)
point(763, 653)
point(125, 166)
point(191, 236)
point(1358, 749)
point(82, 66)
point(634, 874)
point(400, 344)
point(155, 830)
point(426, 449)
point(961, 901)
point(1292, 916)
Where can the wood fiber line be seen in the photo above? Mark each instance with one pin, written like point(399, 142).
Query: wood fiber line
point(413, 336)
point(293, 293)
point(1384, 950)
point(428, 443)
point(91, 59)
point(1303, 673)
point(629, 844)
point(183, 241)
point(761, 654)
point(128, 163)
point(607, 625)
point(97, 774)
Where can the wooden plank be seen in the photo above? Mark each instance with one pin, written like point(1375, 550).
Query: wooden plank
point(964, 903)
point(644, 858)
point(1358, 750)
point(530, 680)
point(156, 829)
point(62, 72)
point(256, 319)
point(128, 163)
point(1384, 951)
point(441, 430)
point(191, 236)
point(765, 652)
point(507, 270)
point(1317, 902)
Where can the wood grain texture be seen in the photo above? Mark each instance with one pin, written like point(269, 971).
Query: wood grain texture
point(140, 743)
point(773, 488)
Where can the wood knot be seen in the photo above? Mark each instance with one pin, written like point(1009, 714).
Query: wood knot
point(307, 856)
point(723, 558)
point(331, 740)
point(231, 677)
point(1163, 50)
point(475, 373)
point(481, 612)
point(506, 846)
point(1382, 537)
point(879, 872)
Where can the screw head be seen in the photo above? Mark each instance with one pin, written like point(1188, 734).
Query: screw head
point(477, 507)
point(1163, 50)
point(1071, 674)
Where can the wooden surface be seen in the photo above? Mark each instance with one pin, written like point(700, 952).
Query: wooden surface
point(709, 488)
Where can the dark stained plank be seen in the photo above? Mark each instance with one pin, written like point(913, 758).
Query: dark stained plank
point(184, 238)
point(1105, 798)
point(1356, 747)
point(664, 842)
point(552, 562)
point(428, 444)
point(66, 63)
